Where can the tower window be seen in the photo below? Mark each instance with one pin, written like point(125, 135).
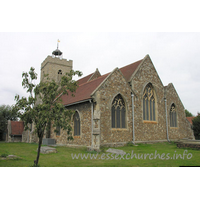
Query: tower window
point(60, 71)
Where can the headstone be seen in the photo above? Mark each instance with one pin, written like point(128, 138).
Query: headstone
point(46, 150)
point(48, 141)
point(116, 151)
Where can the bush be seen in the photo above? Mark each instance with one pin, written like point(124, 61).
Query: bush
point(196, 126)
point(4, 155)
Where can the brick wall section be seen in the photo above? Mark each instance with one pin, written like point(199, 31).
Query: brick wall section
point(115, 84)
point(145, 74)
point(84, 110)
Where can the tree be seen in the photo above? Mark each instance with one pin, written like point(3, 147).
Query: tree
point(6, 113)
point(196, 126)
point(188, 114)
point(50, 109)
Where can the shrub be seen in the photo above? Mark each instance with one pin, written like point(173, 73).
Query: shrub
point(196, 126)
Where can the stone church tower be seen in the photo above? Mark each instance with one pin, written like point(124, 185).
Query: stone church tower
point(55, 66)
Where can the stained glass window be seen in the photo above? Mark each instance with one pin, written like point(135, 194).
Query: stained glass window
point(118, 112)
point(149, 103)
point(76, 124)
point(173, 116)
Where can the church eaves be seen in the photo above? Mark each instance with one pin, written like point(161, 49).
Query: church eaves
point(87, 86)
point(83, 92)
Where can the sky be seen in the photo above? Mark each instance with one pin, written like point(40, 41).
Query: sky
point(174, 55)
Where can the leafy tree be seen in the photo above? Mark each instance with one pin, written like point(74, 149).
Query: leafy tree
point(6, 113)
point(43, 106)
point(196, 126)
point(188, 114)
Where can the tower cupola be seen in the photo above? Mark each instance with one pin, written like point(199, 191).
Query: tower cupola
point(57, 52)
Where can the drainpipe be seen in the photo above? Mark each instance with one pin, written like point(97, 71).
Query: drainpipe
point(92, 108)
point(132, 97)
point(166, 119)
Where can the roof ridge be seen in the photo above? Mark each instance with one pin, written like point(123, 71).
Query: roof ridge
point(131, 63)
point(95, 79)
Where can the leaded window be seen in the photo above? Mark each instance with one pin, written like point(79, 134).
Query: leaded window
point(173, 116)
point(118, 112)
point(76, 124)
point(57, 130)
point(149, 110)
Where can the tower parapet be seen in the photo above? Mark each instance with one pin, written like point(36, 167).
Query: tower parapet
point(55, 68)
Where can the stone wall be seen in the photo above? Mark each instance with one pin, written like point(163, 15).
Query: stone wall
point(188, 145)
point(51, 66)
point(114, 85)
point(183, 129)
point(148, 130)
point(84, 110)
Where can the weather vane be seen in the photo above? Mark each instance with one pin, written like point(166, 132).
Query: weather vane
point(58, 43)
point(57, 52)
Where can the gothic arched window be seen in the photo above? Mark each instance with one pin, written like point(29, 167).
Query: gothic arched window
point(173, 116)
point(76, 124)
point(149, 110)
point(118, 112)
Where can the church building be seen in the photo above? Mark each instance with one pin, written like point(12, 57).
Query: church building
point(128, 104)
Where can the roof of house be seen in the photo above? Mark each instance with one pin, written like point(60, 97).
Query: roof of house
point(17, 128)
point(190, 119)
point(87, 86)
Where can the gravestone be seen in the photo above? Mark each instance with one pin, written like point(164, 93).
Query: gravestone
point(48, 141)
point(46, 150)
point(116, 151)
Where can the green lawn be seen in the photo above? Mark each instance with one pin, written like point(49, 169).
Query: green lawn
point(150, 155)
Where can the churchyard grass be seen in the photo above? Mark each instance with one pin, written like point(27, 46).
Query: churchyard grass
point(148, 155)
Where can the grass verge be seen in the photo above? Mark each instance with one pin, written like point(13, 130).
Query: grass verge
point(142, 155)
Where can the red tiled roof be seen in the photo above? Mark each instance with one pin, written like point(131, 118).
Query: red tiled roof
point(86, 88)
point(190, 119)
point(17, 128)
point(83, 92)
point(128, 70)
point(84, 79)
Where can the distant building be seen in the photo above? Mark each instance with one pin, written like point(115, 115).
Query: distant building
point(190, 119)
point(15, 131)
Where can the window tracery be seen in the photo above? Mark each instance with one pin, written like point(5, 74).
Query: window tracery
point(149, 103)
point(118, 112)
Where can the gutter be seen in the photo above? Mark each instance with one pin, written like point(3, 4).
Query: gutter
point(166, 119)
point(132, 97)
point(92, 108)
point(78, 102)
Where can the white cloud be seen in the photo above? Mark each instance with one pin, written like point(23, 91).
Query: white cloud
point(175, 56)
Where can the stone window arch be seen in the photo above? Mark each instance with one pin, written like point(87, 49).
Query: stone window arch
point(173, 116)
point(118, 112)
point(77, 124)
point(149, 103)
